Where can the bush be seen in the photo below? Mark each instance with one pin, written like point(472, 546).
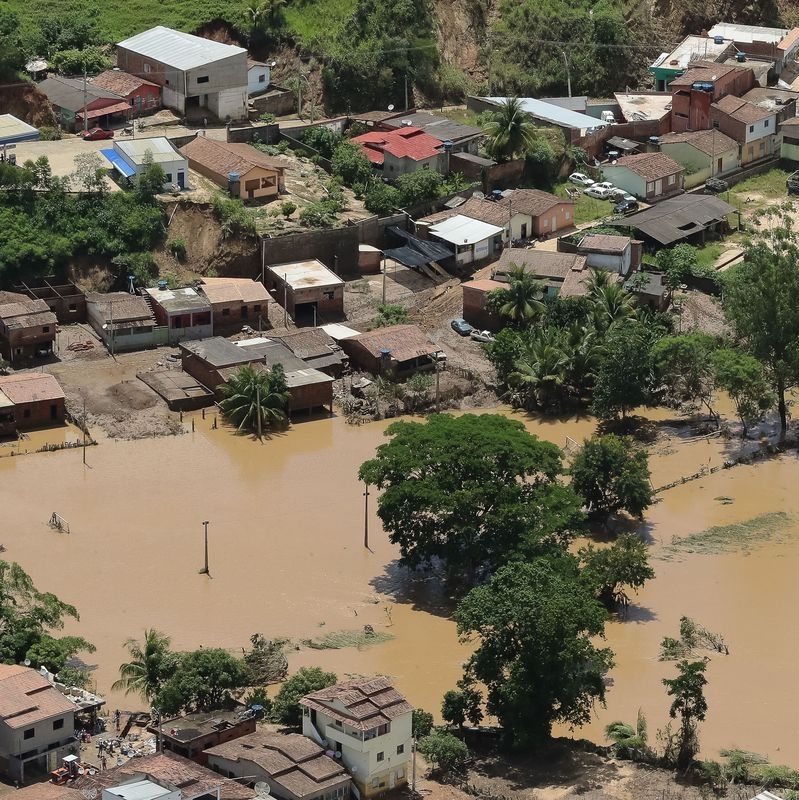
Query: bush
point(419, 187)
point(323, 140)
point(48, 134)
point(287, 208)
point(232, 215)
point(142, 266)
point(177, 248)
point(421, 723)
point(447, 754)
point(321, 214)
point(72, 62)
point(267, 117)
point(390, 315)
point(381, 199)
point(286, 706)
point(351, 165)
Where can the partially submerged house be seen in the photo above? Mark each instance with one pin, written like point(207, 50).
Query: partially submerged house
point(394, 351)
point(293, 766)
point(27, 327)
point(185, 312)
point(368, 722)
point(124, 321)
point(308, 290)
point(317, 349)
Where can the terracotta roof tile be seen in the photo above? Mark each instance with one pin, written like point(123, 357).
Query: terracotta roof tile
point(650, 166)
point(225, 157)
point(234, 290)
point(705, 71)
point(405, 342)
point(742, 110)
point(119, 82)
point(542, 263)
point(26, 696)
point(711, 142)
point(606, 243)
point(26, 313)
point(406, 142)
point(27, 387)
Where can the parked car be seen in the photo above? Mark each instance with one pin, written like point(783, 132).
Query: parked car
point(600, 193)
point(716, 186)
point(792, 183)
point(580, 180)
point(461, 326)
point(97, 134)
point(625, 207)
point(606, 185)
point(482, 336)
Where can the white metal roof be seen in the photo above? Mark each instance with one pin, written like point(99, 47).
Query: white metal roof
point(464, 230)
point(552, 113)
point(13, 129)
point(138, 790)
point(747, 33)
point(159, 147)
point(637, 107)
point(337, 331)
point(177, 49)
point(692, 48)
point(305, 274)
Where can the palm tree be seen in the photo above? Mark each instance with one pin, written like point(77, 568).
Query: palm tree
point(250, 393)
point(583, 352)
point(610, 303)
point(261, 14)
point(628, 741)
point(510, 131)
point(541, 372)
point(521, 301)
point(150, 662)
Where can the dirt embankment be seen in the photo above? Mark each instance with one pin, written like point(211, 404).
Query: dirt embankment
point(26, 102)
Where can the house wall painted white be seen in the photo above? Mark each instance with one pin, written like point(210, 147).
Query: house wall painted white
point(393, 167)
point(764, 127)
point(258, 78)
point(130, 339)
point(51, 739)
point(378, 761)
point(611, 262)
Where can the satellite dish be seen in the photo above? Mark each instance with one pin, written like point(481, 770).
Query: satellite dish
point(391, 107)
point(262, 789)
point(27, 662)
point(81, 770)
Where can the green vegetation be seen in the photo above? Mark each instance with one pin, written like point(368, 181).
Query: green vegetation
point(448, 755)
point(43, 227)
point(232, 215)
point(286, 706)
point(612, 474)
point(151, 663)
point(772, 526)
point(421, 723)
point(338, 640)
point(470, 492)
point(586, 209)
point(607, 572)
point(390, 315)
point(770, 184)
point(628, 741)
point(29, 618)
point(255, 399)
point(461, 705)
point(177, 248)
point(509, 131)
point(689, 704)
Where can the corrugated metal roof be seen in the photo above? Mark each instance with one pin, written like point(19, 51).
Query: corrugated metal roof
point(552, 113)
point(15, 130)
point(179, 50)
point(747, 33)
point(135, 150)
point(305, 274)
point(464, 230)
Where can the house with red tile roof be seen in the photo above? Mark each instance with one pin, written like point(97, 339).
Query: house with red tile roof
point(648, 176)
point(752, 126)
point(37, 722)
point(401, 151)
point(142, 95)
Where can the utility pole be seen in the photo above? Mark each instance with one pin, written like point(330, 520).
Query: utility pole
point(384, 279)
point(413, 771)
point(84, 430)
point(438, 368)
point(366, 515)
point(285, 301)
point(510, 222)
point(568, 74)
point(111, 309)
point(85, 101)
point(204, 570)
point(258, 411)
point(406, 90)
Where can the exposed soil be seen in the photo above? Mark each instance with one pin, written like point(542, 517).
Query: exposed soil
point(27, 103)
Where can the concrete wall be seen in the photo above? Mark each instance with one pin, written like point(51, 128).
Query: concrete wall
point(277, 101)
point(22, 343)
point(13, 741)
point(558, 218)
point(756, 150)
point(140, 339)
point(394, 167)
point(260, 131)
point(476, 313)
point(258, 79)
point(337, 249)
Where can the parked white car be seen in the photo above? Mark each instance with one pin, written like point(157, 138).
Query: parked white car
point(606, 185)
point(482, 336)
point(580, 180)
point(599, 192)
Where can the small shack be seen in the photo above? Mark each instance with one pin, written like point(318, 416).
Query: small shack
point(65, 300)
point(185, 312)
point(308, 290)
point(123, 321)
point(475, 304)
point(30, 400)
point(236, 301)
point(397, 351)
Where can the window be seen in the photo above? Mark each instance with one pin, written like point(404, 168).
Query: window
point(400, 749)
point(202, 79)
point(225, 312)
point(375, 783)
point(262, 79)
point(58, 723)
point(256, 307)
point(73, 307)
point(168, 177)
point(338, 723)
point(400, 774)
point(46, 329)
point(671, 179)
point(166, 81)
point(380, 756)
point(568, 214)
point(766, 122)
point(245, 311)
point(30, 732)
point(751, 129)
point(650, 187)
point(26, 413)
point(147, 67)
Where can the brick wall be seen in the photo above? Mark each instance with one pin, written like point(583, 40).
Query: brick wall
point(337, 249)
point(269, 133)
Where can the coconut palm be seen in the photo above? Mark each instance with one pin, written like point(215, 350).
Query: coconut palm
point(510, 131)
point(263, 14)
point(540, 374)
point(611, 303)
point(583, 355)
point(149, 665)
point(627, 741)
point(250, 393)
point(521, 301)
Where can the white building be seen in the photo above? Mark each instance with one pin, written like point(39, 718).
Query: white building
point(368, 722)
point(470, 239)
point(37, 723)
point(130, 158)
point(141, 789)
point(608, 252)
point(196, 75)
point(258, 76)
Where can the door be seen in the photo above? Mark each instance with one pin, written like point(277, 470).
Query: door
point(181, 179)
point(718, 166)
point(392, 779)
point(658, 187)
point(554, 224)
point(53, 412)
point(524, 230)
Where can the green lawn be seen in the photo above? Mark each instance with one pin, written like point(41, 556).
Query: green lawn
point(709, 254)
point(586, 209)
point(771, 185)
point(319, 21)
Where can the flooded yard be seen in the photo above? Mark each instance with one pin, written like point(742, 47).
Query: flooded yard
point(287, 559)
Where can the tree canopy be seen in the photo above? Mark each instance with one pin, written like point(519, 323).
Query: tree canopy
point(250, 394)
point(286, 706)
point(467, 492)
point(610, 570)
point(151, 662)
point(535, 628)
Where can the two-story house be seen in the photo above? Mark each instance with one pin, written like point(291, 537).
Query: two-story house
point(368, 722)
point(27, 327)
point(37, 723)
point(752, 126)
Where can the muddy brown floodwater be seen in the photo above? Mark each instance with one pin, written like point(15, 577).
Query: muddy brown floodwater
point(287, 559)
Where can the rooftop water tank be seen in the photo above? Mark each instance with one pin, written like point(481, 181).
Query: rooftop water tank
point(718, 39)
point(740, 57)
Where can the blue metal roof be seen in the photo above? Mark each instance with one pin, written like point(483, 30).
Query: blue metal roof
point(118, 163)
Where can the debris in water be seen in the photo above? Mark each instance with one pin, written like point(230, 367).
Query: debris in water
point(338, 640)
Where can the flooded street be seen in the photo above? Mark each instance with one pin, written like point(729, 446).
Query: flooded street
point(287, 559)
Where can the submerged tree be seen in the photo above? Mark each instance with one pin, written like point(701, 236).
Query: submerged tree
point(628, 741)
point(742, 377)
point(609, 571)
point(689, 704)
point(250, 394)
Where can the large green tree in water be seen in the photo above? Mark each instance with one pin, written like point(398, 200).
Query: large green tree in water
point(469, 492)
